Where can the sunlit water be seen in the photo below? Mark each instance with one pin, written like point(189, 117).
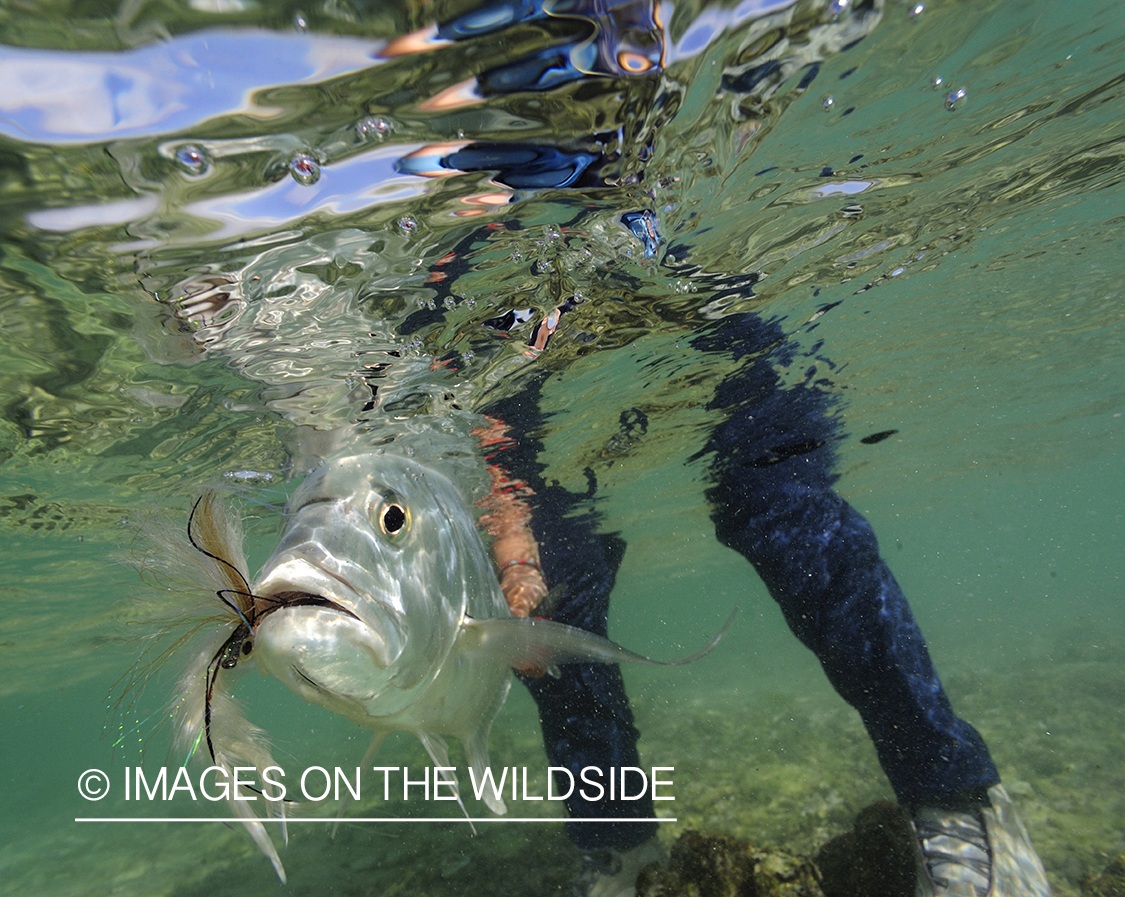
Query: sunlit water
point(954, 272)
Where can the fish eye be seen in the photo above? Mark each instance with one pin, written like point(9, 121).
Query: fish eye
point(393, 519)
point(247, 648)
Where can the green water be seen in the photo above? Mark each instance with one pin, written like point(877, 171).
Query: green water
point(979, 314)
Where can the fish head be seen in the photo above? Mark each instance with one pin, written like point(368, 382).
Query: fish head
point(379, 565)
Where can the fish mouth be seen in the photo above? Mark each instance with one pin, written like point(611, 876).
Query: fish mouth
point(355, 701)
point(310, 680)
point(294, 598)
point(331, 638)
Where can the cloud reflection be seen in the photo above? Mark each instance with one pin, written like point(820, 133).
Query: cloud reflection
point(66, 97)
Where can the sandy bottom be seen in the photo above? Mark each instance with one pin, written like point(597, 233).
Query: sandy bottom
point(778, 769)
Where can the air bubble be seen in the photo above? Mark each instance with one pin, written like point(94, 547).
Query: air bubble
point(917, 9)
point(373, 128)
point(936, 82)
point(300, 22)
point(838, 7)
point(192, 159)
point(305, 169)
point(827, 102)
point(407, 224)
point(954, 98)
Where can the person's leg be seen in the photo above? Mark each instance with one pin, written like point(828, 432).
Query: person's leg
point(584, 714)
point(774, 503)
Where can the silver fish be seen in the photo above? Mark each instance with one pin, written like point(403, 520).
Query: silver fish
point(380, 604)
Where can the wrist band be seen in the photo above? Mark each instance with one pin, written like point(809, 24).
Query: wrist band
point(519, 562)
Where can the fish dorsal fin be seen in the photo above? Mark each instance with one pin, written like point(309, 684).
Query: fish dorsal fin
point(527, 643)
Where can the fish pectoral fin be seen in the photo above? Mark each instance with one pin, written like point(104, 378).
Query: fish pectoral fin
point(530, 644)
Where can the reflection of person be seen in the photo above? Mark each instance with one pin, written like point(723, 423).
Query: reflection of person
point(773, 501)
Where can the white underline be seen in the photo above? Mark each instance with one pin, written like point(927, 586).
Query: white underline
point(292, 819)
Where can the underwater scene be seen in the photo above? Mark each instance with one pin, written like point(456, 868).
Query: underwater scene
point(387, 348)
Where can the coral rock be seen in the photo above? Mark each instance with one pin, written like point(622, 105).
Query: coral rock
point(875, 859)
point(1111, 883)
point(718, 866)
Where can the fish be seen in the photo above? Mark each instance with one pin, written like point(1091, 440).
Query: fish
point(380, 604)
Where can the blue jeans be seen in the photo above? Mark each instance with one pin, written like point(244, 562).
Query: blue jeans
point(771, 469)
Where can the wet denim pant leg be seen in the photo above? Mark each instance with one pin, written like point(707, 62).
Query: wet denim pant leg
point(584, 714)
point(773, 502)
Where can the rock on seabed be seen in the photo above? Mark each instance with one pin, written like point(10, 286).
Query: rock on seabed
point(704, 865)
